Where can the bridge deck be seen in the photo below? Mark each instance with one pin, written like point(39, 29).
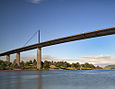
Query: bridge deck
point(97, 33)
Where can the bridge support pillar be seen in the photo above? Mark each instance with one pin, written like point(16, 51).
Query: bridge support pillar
point(18, 58)
point(8, 58)
point(39, 58)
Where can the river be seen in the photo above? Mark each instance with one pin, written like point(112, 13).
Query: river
point(58, 79)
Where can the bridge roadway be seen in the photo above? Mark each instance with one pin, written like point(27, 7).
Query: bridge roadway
point(97, 33)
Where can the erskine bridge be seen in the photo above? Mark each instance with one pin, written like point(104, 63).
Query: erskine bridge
point(39, 45)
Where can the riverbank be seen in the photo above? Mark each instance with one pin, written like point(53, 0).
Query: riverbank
point(46, 65)
point(48, 69)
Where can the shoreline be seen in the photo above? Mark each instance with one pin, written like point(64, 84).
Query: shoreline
point(49, 70)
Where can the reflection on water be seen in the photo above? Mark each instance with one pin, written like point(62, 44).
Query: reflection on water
point(40, 80)
point(84, 79)
point(18, 80)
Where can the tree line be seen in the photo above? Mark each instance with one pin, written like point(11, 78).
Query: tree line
point(46, 65)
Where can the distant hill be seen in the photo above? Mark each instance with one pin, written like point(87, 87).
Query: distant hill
point(110, 67)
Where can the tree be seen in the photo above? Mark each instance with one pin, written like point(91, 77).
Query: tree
point(34, 62)
point(76, 65)
point(5, 65)
point(98, 67)
point(14, 64)
point(42, 63)
point(2, 65)
point(22, 64)
point(88, 66)
point(46, 65)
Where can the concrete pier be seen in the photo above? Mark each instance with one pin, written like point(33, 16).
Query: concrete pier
point(18, 58)
point(8, 58)
point(39, 58)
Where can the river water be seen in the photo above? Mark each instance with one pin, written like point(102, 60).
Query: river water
point(58, 79)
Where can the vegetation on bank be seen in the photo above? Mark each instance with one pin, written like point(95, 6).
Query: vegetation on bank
point(110, 67)
point(46, 65)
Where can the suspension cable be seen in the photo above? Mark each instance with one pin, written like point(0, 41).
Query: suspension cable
point(30, 38)
point(36, 33)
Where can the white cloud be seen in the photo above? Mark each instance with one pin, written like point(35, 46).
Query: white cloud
point(38, 1)
point(28, 58)
point(101, 60)
point(50, 58)
point(35, 1)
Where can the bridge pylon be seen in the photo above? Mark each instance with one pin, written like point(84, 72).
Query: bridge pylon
point(8, 58)
point(38, 53)
point(18, 58)
point(38, 58)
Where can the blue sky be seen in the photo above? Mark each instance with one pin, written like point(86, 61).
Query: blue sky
point(19, 19)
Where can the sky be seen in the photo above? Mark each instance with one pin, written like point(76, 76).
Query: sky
point(20, 19)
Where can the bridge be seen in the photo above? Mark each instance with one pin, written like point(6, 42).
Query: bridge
point(39, 45)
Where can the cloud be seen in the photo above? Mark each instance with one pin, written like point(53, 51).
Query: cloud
point(28, 58)
point(35, 1)
point(38, 1)
point(50, 58)
point(101, 60)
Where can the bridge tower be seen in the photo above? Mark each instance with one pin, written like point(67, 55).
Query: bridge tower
point(18, 58)
point(39, 52)
point(8, 57)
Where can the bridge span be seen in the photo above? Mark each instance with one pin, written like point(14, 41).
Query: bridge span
point(38, 46)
